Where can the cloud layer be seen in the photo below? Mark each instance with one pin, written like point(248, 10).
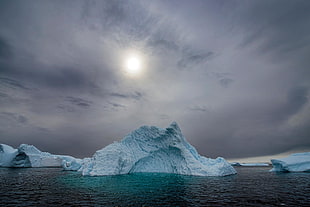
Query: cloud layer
point(234, 74)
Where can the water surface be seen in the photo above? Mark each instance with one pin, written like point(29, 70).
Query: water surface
point(252, 186)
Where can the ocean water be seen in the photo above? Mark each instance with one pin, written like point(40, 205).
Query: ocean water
point(252, 186)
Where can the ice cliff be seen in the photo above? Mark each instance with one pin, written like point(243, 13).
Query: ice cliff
point(152, 149)
point(29, 156)
point(299, 162)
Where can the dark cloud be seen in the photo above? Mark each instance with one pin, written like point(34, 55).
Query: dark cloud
point(116, 105)
point(191, 58)
point(135, 95)
point(225, 82)
point(198, 108)
point(11, 83)
point(79, 102)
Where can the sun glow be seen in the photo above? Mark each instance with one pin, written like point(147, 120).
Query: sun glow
point(133, 65)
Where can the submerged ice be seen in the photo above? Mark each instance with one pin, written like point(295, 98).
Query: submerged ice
point(152, 149)
point(298, 162)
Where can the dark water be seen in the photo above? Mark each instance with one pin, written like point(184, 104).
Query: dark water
point(252, 186)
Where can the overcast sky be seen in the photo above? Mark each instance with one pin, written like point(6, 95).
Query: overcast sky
point(235, 75)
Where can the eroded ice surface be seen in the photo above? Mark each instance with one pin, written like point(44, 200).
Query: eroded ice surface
point(299, 162)
point(152, 149)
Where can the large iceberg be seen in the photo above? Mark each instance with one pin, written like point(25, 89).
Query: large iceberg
point(299, 162)
point(29, 156)
point(152, 149)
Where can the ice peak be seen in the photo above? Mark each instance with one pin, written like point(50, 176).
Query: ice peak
point(29, 149)
point(6, 148)
point(174, 125)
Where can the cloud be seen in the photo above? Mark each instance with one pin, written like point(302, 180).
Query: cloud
point(79, 102)
point(226, 82)
point(191, 58)
point(13, 118)
point(11, 83)
point(199, 108)
point(117, 105)
point(278, 30)
point(135, 95)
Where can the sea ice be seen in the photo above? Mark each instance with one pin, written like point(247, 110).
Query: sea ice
point(299, 162)
point(152, 149)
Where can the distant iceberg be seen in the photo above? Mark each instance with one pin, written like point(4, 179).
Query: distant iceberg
point(152, 149)
point(29, 156)
point(259, 164)
point(299, 162)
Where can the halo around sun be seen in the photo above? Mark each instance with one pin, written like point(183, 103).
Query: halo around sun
point(133, 65)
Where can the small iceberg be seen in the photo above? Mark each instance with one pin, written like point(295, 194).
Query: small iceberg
point(299, 162)
point(153, 149)
point(30, 156)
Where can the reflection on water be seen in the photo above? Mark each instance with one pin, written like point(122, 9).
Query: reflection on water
point(252, 186)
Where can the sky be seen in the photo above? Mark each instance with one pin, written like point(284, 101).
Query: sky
point(235, 75)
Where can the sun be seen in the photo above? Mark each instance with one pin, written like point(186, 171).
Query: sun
point(133, 65)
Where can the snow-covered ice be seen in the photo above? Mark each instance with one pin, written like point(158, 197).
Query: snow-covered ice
point(299, 162)
point(152, 149)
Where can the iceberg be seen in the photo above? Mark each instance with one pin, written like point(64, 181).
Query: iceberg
point(254, 164)
point(30, 156)
point(153, 149)
point(298, 162)
point(259, 164)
